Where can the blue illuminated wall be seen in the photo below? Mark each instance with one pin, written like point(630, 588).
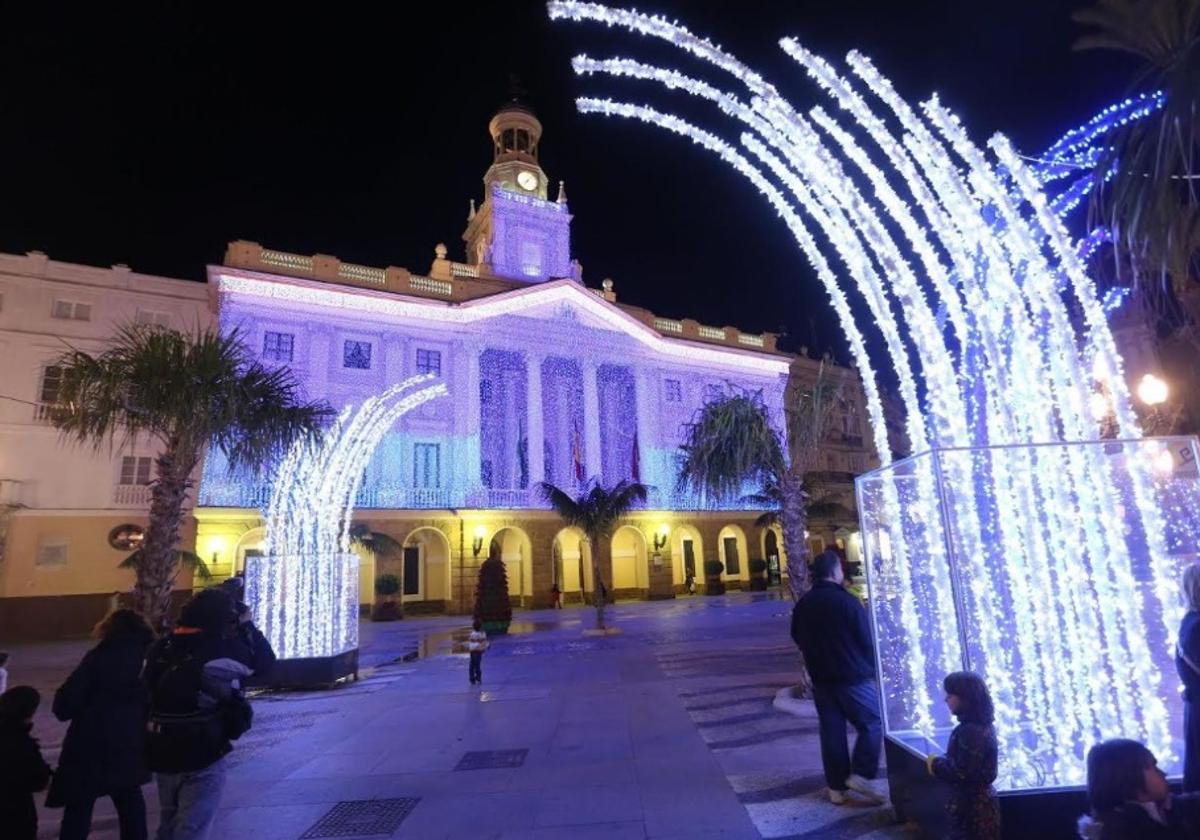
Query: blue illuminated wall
point(590, 397)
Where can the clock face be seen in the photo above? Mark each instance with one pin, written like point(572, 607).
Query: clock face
point(526, 180)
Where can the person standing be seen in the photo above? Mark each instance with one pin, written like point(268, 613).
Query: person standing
point(1187, 665)
point(104, 750)
point(830, 627)
point(971, 760)
point(197, 707)
point(23, 771)
point(477, 643)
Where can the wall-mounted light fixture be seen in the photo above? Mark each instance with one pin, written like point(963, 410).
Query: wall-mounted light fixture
point(660, 537)
point(477, 543)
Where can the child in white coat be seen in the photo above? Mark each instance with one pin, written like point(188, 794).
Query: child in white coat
point(477, 643)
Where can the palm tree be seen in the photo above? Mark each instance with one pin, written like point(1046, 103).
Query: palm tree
point(596, 511)
point(380, 546)
point(186, 393)
point(1147, 193)
point(187, 559)
point(731, 442)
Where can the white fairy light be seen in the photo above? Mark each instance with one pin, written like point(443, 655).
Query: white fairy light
point(1041, 534)
point(305, 588)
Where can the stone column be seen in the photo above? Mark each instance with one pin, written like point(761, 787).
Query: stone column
point(396, 461)
point(394, 348)
point(534, 425)
point(317, 381)
point(473, 453)
point(591, 422)
point(646, 424)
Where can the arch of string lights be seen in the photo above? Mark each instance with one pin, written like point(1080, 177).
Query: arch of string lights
point(304, 590)
point(962, 259)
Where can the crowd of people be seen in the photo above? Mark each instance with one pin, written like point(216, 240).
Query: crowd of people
point(137, 707)
point(1129, 795)
point(171, 707)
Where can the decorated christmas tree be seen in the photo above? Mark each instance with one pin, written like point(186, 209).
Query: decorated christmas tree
point(492, 606)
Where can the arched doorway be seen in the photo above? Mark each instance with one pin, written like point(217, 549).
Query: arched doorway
point(731, 551)
point(512, 545)
point(772, 548)
point(687, 556)
point(629, 570)
point(426, 567)
point(572, 563)
point(249, 543)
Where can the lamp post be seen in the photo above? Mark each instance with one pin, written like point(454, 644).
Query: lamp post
point(1153, 392)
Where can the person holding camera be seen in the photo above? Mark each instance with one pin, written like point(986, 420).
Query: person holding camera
point(194, 678)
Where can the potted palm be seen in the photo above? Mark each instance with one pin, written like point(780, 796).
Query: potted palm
point(386, 550)
point(386, 587)
point(713, 585)
point(758, 576)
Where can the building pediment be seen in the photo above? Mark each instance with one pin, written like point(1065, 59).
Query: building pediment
point(553, 299)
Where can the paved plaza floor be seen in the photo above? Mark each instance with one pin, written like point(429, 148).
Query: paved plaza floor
point(663, 731)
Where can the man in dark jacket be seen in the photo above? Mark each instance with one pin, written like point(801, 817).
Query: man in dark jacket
point(196, 707)
point(830, 627)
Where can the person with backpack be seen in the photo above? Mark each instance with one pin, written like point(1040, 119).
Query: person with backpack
point(194, 677)
point(103, 753)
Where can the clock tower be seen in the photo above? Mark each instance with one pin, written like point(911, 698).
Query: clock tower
point(517, 232)
point(516, 133)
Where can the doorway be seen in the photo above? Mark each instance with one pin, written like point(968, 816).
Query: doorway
point(412, 572)
point(733, 566)
point(771, 549)
point(689, 563)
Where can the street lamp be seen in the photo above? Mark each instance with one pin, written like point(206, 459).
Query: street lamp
point(1153, 392)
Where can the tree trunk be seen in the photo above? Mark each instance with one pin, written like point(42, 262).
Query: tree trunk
point(598, 588)
point(793, 519)
point(159, 566)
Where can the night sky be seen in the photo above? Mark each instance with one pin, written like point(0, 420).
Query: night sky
point(154, 139)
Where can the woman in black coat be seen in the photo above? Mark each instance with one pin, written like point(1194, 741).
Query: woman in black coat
point(103, 753)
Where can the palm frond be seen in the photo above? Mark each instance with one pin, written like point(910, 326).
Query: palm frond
point(1145, 187)
point(187, 559)
point(728, 442)
point(598, 509)
point(376, 543)
point(191, 390)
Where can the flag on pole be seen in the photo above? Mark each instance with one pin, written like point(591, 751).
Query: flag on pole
point(635, 468)
point(523, 460)
point(577, 454)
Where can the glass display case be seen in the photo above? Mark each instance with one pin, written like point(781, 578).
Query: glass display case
point(1053, 571)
